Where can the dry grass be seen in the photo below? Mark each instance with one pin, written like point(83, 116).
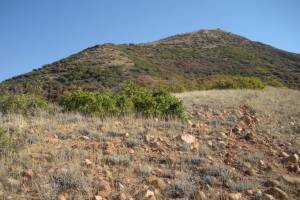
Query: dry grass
point(52, 150)
point(280, 100)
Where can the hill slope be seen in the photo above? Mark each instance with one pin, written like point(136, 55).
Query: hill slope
point(180, 62)
point(226, 150)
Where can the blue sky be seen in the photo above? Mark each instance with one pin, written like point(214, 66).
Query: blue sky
point(37, 32)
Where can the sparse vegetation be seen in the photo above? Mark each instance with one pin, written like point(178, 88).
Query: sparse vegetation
point(117, 159)
point(144, 170)
point(66, 179)
point(77, 156)
point(6, 143)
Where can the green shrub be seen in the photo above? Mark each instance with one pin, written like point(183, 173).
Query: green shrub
point(153, 102)
point(232, 82)
point(129, 99)
point(100, 104)
point(6, 143)
point(24, 104)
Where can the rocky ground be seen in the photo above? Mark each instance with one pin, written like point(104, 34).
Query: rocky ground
point(236, 145)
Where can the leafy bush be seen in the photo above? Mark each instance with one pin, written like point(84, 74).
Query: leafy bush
point(153, 102)
point(24, 104)
point(100, 104)
point(232, 82)
point(129, 99)
point(6, 143)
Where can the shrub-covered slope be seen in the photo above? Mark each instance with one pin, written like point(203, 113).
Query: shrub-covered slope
point(181, 62)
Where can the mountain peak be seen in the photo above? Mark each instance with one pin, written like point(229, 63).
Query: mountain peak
point(207, 38)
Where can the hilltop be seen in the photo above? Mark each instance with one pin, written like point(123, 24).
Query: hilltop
point(181, 62)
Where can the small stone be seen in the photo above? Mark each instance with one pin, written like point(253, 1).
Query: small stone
point(237, 129)
point(199, 195)
point(262, 163)
point(87, 162)
point(85, 137)
point(258, 194)
point(292, 123)
point(195, 146)
point(284, 154)
point(250, 171)
point(61, 197)
point(190, 122)
point(277, 193)
point(28, 173)
point(210, 158)
point(149, 194)
point(187, 138)
point(121, 186)
point(122, 196)
point(131, 151)
point(294, 158)
point(104, 188)
point(210, 143)
point(97, 197)
point(157, 183)
point(249, 192)
point(223, 135)
point(267, 197)
point(107, 173)
point(235, 196)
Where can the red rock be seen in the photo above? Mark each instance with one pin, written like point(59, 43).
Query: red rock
point(122, 196)
point(104, 188)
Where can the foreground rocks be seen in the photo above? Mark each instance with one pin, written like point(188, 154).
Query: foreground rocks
point(233, 153)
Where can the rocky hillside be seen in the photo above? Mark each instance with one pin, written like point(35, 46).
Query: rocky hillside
point(181, 62)
point(237, 145)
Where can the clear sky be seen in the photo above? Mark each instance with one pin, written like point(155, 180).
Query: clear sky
point(37, 32)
